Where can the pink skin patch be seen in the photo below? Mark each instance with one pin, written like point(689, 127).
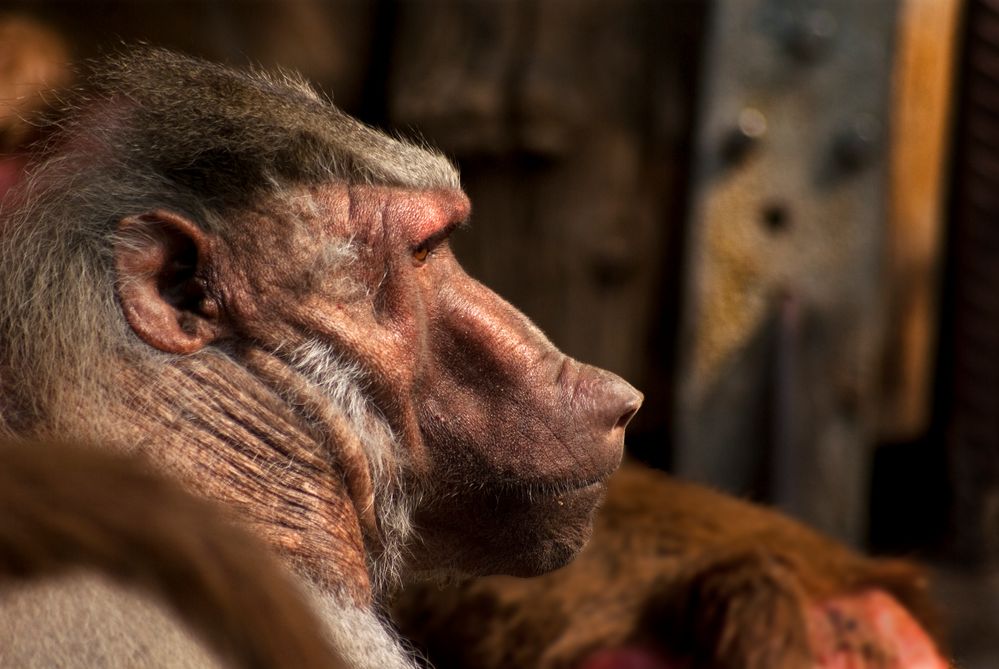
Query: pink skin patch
point(867, 631)
point(421, 216)
point(371, 213)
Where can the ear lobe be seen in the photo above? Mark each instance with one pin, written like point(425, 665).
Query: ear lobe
point(161, 260)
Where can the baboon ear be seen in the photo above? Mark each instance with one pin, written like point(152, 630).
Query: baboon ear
point(161, 260)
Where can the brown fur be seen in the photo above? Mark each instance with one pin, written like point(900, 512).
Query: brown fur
point(672, 566)
point(67, 509)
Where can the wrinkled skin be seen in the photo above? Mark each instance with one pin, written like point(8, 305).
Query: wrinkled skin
point(514, 438)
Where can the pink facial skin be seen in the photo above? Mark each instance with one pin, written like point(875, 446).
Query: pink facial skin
point(429, 216)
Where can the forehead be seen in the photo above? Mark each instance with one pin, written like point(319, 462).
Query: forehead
point(369, 212)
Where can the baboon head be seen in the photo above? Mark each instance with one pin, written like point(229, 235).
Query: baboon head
point(224, 270)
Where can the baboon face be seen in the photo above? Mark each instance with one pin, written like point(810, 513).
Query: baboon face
point(510, 439)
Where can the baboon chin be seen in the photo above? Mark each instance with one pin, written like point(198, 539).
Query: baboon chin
point(550, 530)
point(222, 271)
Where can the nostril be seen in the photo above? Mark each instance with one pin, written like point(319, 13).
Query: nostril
point(605, 401)
point(625, 418)
point(630, 401)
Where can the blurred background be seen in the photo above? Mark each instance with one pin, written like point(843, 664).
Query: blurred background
point(777, 218)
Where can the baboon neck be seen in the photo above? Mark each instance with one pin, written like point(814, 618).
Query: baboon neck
point(215, 425)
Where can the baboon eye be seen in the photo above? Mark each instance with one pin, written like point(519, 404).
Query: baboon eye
point(429, 246)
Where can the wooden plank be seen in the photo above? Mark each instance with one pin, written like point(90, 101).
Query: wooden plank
point(919, 165)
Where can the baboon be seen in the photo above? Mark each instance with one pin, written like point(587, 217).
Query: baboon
point(221, 271)
point(86, 534)
point(678, 576)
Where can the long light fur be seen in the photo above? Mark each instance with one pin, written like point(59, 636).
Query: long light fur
point(342, 382)
point(362, 638)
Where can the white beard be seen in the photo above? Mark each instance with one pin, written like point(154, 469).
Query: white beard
point(343, 383)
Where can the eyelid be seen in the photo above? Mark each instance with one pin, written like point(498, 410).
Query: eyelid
point(438, 238)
